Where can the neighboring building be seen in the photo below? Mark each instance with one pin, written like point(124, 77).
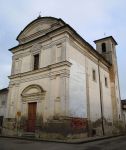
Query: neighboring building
point(3, 104)
point(123, 103)
point(60, 84)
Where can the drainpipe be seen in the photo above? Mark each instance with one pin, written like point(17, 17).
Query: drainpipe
point(101, 100)
point(88, 99)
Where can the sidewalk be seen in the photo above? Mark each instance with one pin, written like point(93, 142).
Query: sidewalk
point(92, 139)
point(70, 141)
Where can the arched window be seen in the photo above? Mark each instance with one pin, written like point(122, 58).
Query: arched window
point(103, 47)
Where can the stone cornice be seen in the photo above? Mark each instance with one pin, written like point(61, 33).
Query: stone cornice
point(46, 37)
point(76, 37)
point(44, 69)
point(71, 32)
point(88, 55)
point(54, 23)
point(33, 49)
point(51, 75)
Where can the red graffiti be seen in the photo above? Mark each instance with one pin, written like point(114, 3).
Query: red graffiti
point(79, 123)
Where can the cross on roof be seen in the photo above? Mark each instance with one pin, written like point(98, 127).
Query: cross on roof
point(39, 15)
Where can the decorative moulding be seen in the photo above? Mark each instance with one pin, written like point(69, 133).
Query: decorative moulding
point(36, 48)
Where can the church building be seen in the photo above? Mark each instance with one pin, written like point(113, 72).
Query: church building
point(60, 85)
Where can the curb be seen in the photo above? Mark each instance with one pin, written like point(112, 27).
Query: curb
point(88, 140)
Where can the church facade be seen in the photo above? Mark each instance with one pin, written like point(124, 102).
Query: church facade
point(61, 85)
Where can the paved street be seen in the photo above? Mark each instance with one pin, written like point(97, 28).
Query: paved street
point(118, 143)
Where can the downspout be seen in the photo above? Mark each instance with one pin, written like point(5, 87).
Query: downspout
point(88, 99)
point(101, 100)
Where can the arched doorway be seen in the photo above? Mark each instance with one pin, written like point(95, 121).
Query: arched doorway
point(31, 95)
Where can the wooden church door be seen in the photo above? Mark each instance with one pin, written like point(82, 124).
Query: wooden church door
point(31, 116)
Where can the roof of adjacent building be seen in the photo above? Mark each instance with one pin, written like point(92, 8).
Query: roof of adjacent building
point(123, 104)
point(123, 101)
point(3, 90)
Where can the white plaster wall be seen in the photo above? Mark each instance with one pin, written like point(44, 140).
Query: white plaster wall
point(80, 75)
point(26, 63)
point(11, 102)
point(17, 105)
point(54, 102)
point(52, 51)
point(77, 84)
point(45, 57)
point(42, 106)
point(94, 93)
point(106, 95)
point(55, 96)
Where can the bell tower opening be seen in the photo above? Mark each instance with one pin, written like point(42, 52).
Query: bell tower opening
point(103, 47)
point(106, 47)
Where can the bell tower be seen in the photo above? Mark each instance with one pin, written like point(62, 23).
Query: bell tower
point(107, 48)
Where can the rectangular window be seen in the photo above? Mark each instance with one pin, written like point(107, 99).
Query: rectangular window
point(94, 75)
point(106, 82)
point(36, 61)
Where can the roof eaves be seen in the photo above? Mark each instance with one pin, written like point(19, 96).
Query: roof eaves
point(107, 38)
point(90, 46)
point(4, 90)
point(92, 50)
point(39, 18)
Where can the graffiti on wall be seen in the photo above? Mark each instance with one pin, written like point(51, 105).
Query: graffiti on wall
point(79, 123)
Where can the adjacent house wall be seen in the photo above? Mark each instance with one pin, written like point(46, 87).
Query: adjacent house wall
point(3, 105)
point(3, 101)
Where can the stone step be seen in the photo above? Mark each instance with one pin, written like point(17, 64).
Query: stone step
point(28, 134)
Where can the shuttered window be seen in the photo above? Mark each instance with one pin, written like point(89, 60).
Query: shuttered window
point(36, 61)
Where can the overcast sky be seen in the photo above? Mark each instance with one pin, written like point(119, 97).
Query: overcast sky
point(92, 19)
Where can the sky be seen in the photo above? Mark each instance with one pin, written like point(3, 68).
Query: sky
point(92, 19)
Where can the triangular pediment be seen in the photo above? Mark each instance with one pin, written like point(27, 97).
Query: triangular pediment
point(39, 27)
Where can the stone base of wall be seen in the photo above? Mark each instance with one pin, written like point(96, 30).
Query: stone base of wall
point(9, 127)
point(101, 127)
point(60, 128)
point(54, 128)
point(118, 127)
point(63, 128)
